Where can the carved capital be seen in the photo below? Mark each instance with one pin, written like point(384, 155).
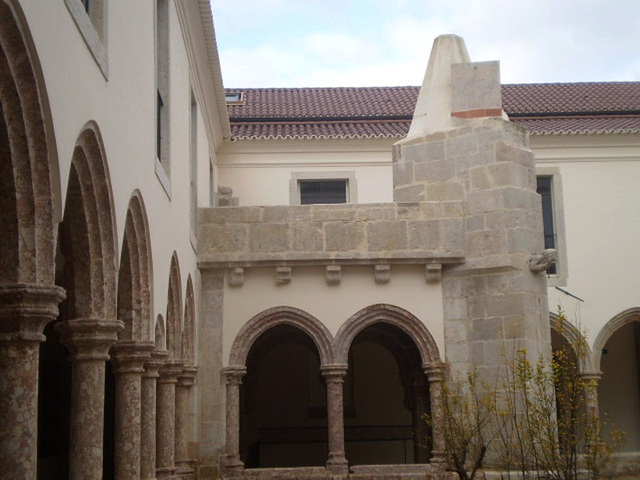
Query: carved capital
point(233, 375)
point(170, 371)
point(188, 376)
point(434, 371)
point(157, 360)
point(334, 373)
point(89, 338)
point(25, 309)
point(131, 356)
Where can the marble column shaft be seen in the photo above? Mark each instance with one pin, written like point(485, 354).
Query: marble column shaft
point(186, 380)
point(334, 378)
point(232, 464)
point(148, 416)
point(24, 312)
point(166, 418)
point(128, 358)
point(88, 341)
point(435, 375)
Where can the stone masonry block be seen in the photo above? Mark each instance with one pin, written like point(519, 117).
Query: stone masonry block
point(307, 237)
point(462, 145)
point(223, 238)
point(423, 152)
point(464, 163)
point(525, 240)
point(223, 215)
point(270, 237)
point(456, 330)
point(413, 193)
point(287, 214)
point(486, 329)
point(518, 198)
point(476, 86)
point(514, 154)
point(503, 175)
point(408, 210)
point(444, 191)
point(402, 173)
point(343, 237)
point(333, 213)
point(475, 223)
point(452, 209)
point(367, 213)
point(483, 201)
point(431, 210)
point(423, 234)
point(486, 243)
point(434, 171)
point(452, 236)
point(505, 305)
point(387, 236)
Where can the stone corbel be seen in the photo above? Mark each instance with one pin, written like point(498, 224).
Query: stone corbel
point(283, 275)
point(333, 274)
point(433, 272)
point(382, 273)
point(236, 277)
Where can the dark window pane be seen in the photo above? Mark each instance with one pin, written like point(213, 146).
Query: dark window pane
point(545, 191)
point(323, 191)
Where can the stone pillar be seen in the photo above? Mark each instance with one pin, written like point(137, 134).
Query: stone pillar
point(435, 375)
point(334, 378)
point(148, 417)
point(422, 444)
point(88, 341)
point(166, 418)
point(24, 312)
point(231, 463)
point(128, 358)
point(591, 380)
point(186, 380)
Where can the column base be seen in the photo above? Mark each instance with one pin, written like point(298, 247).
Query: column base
point(337, 464)
point(232, 466)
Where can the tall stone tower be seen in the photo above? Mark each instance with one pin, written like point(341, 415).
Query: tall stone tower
point(462, 148)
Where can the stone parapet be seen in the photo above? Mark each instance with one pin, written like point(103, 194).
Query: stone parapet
point(409, 233)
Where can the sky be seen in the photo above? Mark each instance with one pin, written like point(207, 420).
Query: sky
point(351, 43)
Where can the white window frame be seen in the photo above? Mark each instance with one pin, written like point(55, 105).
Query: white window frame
point(93, 28)
point(348, 176)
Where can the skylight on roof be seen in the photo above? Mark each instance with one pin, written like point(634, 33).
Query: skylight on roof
point(234, 98)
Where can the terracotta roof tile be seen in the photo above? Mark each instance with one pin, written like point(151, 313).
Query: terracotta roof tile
point(386, 112)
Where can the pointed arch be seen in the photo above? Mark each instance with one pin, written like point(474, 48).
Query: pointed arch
point(283, 315)
point(174, 310)
point(88, 231)
point(628, 316)
point(574, 339)
point(390, 314)
point(188, 338)
point(29, 177)
point(160, 333)
point(135, 274)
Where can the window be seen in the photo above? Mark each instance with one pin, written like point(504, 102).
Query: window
point(323, 191)
point(306, 188)
point(544, 190)
point(234, 98)
point(90, 17)
point(549, 187)
point(163, 100)
point(193, 166)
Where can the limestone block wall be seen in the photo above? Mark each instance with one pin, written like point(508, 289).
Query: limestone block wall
point(314, 234)
point(492, 303)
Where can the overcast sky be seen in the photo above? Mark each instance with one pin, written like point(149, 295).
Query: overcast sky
point(316, 43)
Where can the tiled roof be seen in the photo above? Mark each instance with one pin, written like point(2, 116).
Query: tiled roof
point(386, 112)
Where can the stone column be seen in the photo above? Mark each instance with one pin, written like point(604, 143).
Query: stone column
point(591, 380)
point(421, 442)
point(24, 312)
point(186, 380)
point(334, 378)
point(231, 463)
point(166, 418)
point(88, 341)
point(435, 375)
point(148, 417)
point(128, 358)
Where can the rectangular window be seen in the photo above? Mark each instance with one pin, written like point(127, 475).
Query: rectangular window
point(545, 190)
point(323, 191)
point(193, 165)
point(163, 99)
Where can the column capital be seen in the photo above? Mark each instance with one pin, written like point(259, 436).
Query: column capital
point(590, 376)
point(89, 338)
point(335, 372)
point(170, 371)
point(233, 375)
point(434, 371)
point(188, 376)
point(129, 356)
point(152, 366)
point(25, 309)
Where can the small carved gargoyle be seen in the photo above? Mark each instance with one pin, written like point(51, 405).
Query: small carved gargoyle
point(541, 262)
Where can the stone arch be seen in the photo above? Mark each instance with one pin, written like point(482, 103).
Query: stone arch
point(88, 231)
point(135, 274)
point(29, 177)
point(390, 314)
point(574, 338)
point(282, 315)
point(174, 310)
point(188, 338)
point(612, 326)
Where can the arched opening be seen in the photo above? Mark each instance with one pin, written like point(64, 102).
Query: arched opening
point(619, 387)
point(386, 395)
point(283, 420)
